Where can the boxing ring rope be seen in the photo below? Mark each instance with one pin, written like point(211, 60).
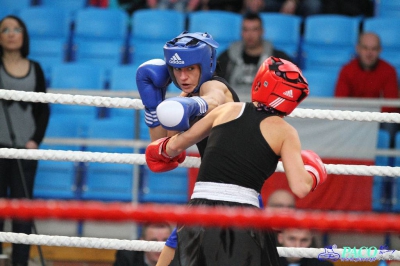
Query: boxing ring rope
point(206, 216)
point(190, 162)
point(115, 102)
point(70, 210)
point(142, 245)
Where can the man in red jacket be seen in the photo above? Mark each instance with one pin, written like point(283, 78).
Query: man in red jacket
point(368, 76)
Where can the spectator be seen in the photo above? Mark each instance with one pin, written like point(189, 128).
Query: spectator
point(254, 6)
point(129, 6)
point(240, 62)
point(299, 238)
point(302, 8)
point(225, 5)
point(150, 232)
point(22, 124)
point(364, 8)
point(281, 198)
point(368, 76)
point(179, 5)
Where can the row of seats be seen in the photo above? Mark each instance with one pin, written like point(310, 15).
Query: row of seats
point(103, 181)
point(108, 182)
point(110, 37)
point(86, 76)
point(72, 6)
point(383, 8)
point(122, 78)
point(387, 8)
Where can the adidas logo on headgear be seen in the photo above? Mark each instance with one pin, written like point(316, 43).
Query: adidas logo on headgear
point(288, 93)
point(175, 59)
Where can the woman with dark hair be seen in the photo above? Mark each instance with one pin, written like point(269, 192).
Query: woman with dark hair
point(22, 124)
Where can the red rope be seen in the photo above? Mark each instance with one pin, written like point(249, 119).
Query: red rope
point(200, 215)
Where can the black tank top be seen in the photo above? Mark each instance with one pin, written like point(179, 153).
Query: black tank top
point(237, 153)
point(201, 146)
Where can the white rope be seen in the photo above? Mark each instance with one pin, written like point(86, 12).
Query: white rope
point(137, 104)
point(84, 156)
point(81, 242)
point(98, 101)
point(155, 246)
point(346, 115)
point(190, 162)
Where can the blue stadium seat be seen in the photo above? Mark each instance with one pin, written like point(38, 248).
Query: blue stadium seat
point(48, 52)
point(5, 11)
point(144, 50)
point(168, 187)
point(55, 180)
point(386, 28)
point(100, 36)
point(283, 31)
point(151, 29)
point(157, 24)
point(123, 78)
point(387, 9)
point(329, 41)
point(104, 53)
point(15, 5)
point(49, 31)
point(321, 82)
point(224, 26)
point(113, 128)
point(396, 183)
point(379, 193)
point(77, 76)
point(46, 22)
point(108, 182)
point(57, 126)
point(77, 117)
point(71, 6)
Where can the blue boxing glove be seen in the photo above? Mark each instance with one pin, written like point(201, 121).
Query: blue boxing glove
point(175, 113)
point(152, 80)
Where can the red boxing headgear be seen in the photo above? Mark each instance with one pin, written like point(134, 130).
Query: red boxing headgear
point(279, 84)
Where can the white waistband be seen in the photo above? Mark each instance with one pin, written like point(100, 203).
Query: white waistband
point(225, 192)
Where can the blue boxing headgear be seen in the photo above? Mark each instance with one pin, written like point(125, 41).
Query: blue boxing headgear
point(189, 49)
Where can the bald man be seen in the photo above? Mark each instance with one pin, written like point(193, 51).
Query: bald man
point(281, 198)
point(369, 76)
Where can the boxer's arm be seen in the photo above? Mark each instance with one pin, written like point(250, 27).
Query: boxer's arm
point(166, 256)
point(196, 133)
point(177, 112)
point(314, 165)
point(157, 133)
point(299, 180)
point(215, 93)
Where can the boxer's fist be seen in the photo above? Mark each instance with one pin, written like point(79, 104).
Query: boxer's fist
point(157, 158)
point(152, 80)
point(315, 166)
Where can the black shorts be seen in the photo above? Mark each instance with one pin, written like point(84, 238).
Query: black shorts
point(212, 246)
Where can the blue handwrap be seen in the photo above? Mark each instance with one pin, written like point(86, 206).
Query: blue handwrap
point(172, 240)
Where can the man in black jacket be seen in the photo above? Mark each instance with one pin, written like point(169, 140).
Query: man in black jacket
point(150, 232)
point(299, 238)
point(240, 62)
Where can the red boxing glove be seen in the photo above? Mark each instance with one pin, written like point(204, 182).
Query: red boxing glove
point(157, 158)
point(315, 166)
